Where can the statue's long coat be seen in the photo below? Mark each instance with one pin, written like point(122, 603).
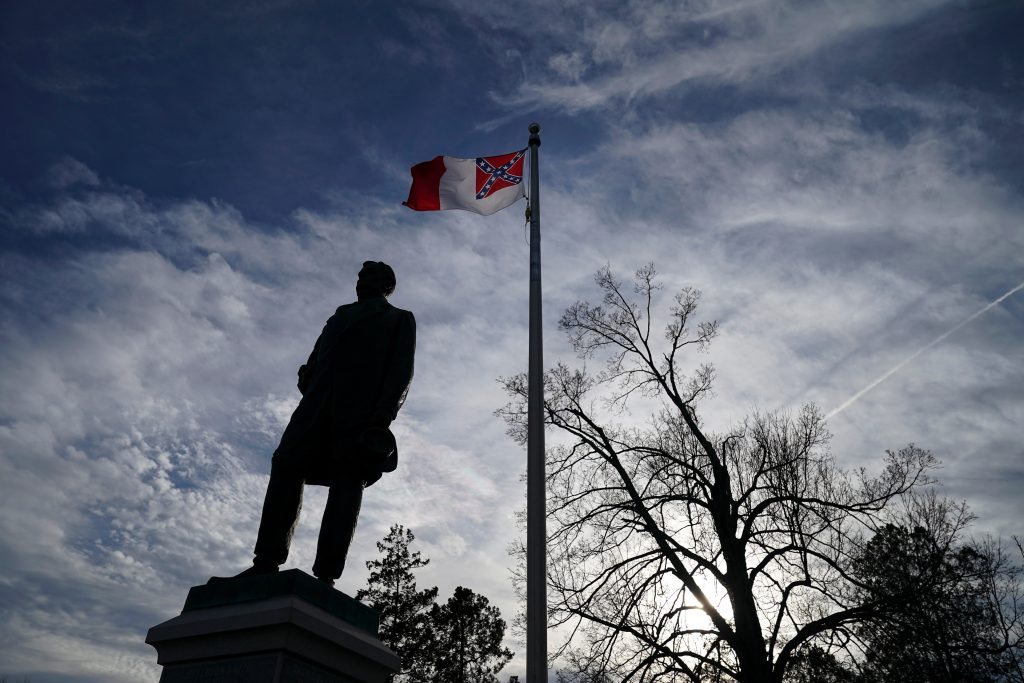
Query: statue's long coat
point(361, 366)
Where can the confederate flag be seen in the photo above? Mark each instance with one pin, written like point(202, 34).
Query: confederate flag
point(482, 185)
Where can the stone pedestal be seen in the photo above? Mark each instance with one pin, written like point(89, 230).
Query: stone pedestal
point(277, 628)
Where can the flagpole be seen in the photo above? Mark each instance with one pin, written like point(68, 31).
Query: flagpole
point(536, 528)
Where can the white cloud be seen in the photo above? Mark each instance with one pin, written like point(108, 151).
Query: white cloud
point(568, 65)
point(645, 49)
point(144, 388)
point(159, 376)
point(69, 172)
point(148, 362)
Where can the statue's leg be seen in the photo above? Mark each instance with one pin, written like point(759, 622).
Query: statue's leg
point(280, 513)
point(337, 528)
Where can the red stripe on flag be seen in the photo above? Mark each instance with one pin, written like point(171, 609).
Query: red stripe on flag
point(426, 179)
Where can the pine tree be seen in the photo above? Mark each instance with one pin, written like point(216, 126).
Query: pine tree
point(951, 612)
point(404, 610)
point(468, 631)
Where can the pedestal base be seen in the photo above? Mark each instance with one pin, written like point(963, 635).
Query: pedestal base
point(277, 628)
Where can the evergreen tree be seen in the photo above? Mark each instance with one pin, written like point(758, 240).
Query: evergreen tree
point(815, 664)
point(404, 610)
point(950, 610)
point(468, 631)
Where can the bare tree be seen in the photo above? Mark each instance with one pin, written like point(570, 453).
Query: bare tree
point(677, 553)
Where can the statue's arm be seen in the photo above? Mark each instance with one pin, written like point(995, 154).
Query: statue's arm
point(306, 370)
point(398, 375)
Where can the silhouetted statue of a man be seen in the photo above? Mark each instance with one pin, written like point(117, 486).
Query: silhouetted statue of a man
point(352, 386)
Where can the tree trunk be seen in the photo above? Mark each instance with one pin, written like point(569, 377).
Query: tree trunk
point(749, 645)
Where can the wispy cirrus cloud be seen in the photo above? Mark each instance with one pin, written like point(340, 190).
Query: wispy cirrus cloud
point(646, 49)
point(147, 375)
point(837, 219)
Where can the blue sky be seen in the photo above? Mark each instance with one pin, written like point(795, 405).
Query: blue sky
point(187, 191)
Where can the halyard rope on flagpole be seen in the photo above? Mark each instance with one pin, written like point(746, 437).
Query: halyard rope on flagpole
point(526, 220)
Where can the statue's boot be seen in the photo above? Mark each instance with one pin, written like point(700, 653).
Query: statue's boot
point(257, 569)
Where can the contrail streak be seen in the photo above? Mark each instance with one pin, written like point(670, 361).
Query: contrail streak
point(846, 404)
